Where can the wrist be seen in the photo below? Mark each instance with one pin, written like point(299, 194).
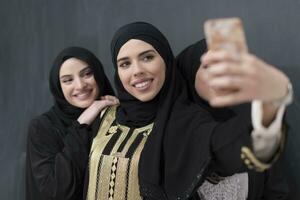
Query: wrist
point(287, 99)
point(82, 121)
point(269, 113)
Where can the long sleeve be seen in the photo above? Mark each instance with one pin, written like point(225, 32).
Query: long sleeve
point(265, 140)
point(243, 136)
point(56, 161)
point(227, 141)
point(231, 136)
point(276, 187)
point(269, 185)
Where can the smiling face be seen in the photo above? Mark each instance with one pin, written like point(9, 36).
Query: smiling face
point(78, 83)
point(141, 69)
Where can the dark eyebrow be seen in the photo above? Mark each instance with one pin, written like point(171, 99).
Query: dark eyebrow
point(65, 76)
point(81, 71)
point(85, 69)
point(145, 52)
point(141, 54)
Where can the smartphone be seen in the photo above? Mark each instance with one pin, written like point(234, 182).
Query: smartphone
point(225, 34)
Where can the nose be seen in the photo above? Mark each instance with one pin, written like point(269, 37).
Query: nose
point(137, 69)
point(79, 83)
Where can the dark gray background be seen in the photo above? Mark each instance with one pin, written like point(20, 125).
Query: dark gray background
point(32, 32)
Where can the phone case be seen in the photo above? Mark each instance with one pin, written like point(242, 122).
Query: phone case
point(225, 34)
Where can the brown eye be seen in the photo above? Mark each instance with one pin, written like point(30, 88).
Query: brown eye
point(88, 73)
point(124, 64)
point(67, 81)
point(148, 58)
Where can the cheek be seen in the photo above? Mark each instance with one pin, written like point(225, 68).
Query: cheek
point(67, 92)
point(93, 82)
point(124, 78)
point(161, 73)
point(162, 79)
point(96, 89)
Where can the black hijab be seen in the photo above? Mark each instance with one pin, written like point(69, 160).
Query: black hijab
point(63, 112)
point(133, 112)
point(188, 63)
point(177, 151)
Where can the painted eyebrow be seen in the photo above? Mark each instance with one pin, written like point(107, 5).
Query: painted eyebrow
point(141, 54)
point(81, 71)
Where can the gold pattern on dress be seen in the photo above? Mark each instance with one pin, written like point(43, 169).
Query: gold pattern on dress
point(133, 183)
point(105, 177)
point(99, 143)
point(101, 140)
point(112, 178)
point(121, 179)
point(147, 132)
point(119, 142)
point(93, 170)
point(117, 175)
point(135, 134)
point(112, 130)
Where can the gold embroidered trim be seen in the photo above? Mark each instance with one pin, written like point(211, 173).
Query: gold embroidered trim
point(121, 179)
point(133, 182)
point(134, 135)
point(113, 130)
point(101, 138)
point(253, 163)
point(105, 172)
point(117, 175)
point(113, 178)
point(98, 145)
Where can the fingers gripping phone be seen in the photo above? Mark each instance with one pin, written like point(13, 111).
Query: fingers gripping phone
point(225, 34)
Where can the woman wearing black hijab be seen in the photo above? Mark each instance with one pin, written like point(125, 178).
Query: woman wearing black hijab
point(58, 142)
point(267, 185)
point(156, 144)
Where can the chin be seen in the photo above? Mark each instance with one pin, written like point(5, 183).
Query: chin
point(83, 104)
point(145, 98)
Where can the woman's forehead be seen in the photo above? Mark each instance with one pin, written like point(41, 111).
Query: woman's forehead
point(72, 65)
point(134, 47)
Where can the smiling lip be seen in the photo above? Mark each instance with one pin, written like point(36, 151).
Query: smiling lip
point(142, 85)
point(83, 95)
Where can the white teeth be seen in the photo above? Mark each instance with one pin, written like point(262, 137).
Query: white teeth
point(143, 84)
point(82, 95)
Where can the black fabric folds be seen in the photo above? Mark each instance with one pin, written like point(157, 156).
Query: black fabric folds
point(177, 151)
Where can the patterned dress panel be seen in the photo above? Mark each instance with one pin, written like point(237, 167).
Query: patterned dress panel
point(114, 158)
